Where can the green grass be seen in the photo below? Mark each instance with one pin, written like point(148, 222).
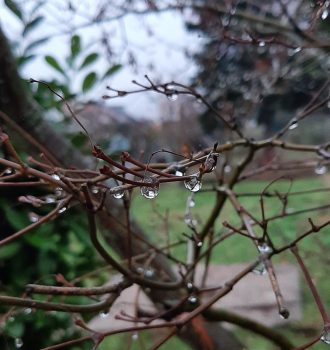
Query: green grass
point(172, 200)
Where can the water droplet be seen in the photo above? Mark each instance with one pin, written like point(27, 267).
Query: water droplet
point(33, 217)
point(190, 221)
point(193, 184)
point(11, 319)
point(172, 96)
point(49, 199)
point(8, 171)
point(27, 311)
point(135, 336)
point(104, 313)
point(140, 270)
point(264, 248)
point(262, 43)
point(18, 343)
point(199, 100)
point(199, 244)
point(56, 177)
point(149, 273)
point(95, 190)
point(191, 202)
point(325, 337)
point(227, 169)
point(192, 299)
point(297, 49)
point(324, 14)
point(179, 173)
point(150, 192)
point(260, 269)
point(284, 313)
point(62, 210)
point(293, 125)
point(320, 169)
point(190, 286)
point(119, 194)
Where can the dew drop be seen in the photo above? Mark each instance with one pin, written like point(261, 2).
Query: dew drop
point(260, 269)
point(193, 184)
point(62, 210)
point(104, 314)
point(199, 100)
point(284, 313)
point(27, 311)
point(262, 43)
point(192, 299)
point(190, 286)
point(325, 337)
point(135, 336)
point(227, 169)
point(95, 190)
point(199, 244)
point(179, 173)
point(324, 14)
point(293, 125)
point(172, 96)
point(56, 177)
point(33, 217)
point(119, 194)
point(49, 199)
point(264, 248)
point(152, 191)
point(18, 343)
point(149, 273)
point(320, 169)
point(11, 319)
point(297, 49)
point(8, 171)
point(191, 202)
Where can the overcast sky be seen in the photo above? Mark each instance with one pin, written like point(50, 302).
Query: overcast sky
point(164, 49)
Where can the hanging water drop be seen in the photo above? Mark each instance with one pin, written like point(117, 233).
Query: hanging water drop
point(324, 14)
point(62, 210)
point(151, 191)
point(320, 169)
point(190, 286)
point(192, 299)
point(49, 199)
point(135, 336)
point(293, 125)
point(33, 217)
point(191, 202)
point(104, 313)
point(56, 177)
point(193, 184)
point(227, 169)
point(262, 43)
point(179, 173)
point(284, 313)
point(172, 96)
point(95, 190)
point(199, 244)
point(264, 248)
point(18, 343)
point(297, 49)
point(119, 194)
point(149, 272)
point(325, 337)
point(260, 269)
point(27, 311)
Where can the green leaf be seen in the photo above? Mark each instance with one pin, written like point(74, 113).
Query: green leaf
point(14, 8)
point(35, 43)
point(89, 81)
point(75, 46)
point(32, 24)
point(89, 60)
point(112, 70)
point(53, 62)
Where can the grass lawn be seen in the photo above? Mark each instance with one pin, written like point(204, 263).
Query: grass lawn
point(172, 202)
